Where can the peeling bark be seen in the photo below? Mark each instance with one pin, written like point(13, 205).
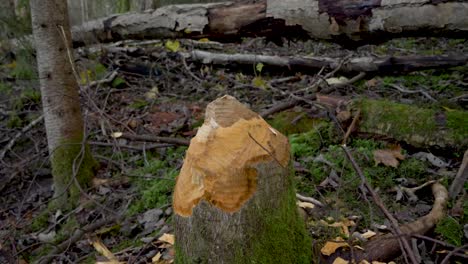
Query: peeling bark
point(346, 21)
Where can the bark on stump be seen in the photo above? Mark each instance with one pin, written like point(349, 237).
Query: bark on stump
point(234, 199)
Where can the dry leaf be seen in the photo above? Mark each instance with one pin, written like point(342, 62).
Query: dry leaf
point(305, 205)
point(331, 246)
point(168, 238)
point(388, 157)
point(368, 234)
point(378, 262)
point(371, 83)
point(103, 250)
point(156, 258)
point(116, 134)
point(339, 260)
point(364, 262)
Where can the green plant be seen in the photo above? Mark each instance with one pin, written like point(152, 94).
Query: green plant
point(156, 191)
point(450, 230)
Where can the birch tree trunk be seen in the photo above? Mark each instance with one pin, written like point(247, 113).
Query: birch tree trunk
point(234, 200)
point(72, 163)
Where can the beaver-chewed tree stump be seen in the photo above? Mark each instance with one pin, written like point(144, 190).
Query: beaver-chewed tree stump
point(234, 200)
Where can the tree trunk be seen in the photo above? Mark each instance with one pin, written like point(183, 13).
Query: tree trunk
point(234, 200)
point(71, 161)
point(345, 21)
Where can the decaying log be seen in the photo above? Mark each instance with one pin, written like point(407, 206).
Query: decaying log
point(417, 126)
point(384, 65)
point(386, 248)
point(234, 200)
point(381, 65)
point(346, 21)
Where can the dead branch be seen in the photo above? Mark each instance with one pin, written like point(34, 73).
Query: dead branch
point(149, 138)
point(460, 179)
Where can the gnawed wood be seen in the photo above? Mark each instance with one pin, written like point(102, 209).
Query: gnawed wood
point(234, 201)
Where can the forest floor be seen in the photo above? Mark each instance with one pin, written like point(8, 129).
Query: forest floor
point(130, 89)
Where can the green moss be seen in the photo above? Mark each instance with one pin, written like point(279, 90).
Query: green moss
point(283, 237)
point(40, 221)
point(14, 121)
point(64, 159)
point(450, 230)
point(156, 191)
point(139, 104)
point(283, 122)
point(419, 126)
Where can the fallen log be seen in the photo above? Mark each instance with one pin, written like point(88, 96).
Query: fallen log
point(345, 21)
point(383, 65)
point(234, 201)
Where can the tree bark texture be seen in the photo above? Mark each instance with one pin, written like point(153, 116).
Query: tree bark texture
point(234, 200)
point(7, 18)
point(345, 21)
point(70, 158)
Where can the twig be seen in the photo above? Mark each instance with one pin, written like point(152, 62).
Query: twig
point(421, 91)
point(406, 247)
point(77, 236)
point(25, 129)
point(447, 258)
point(140, 148)
point(351, 127)
point(189, 71)
point(170, 140)
point(309, 199)
point(108, 79)
point(462, 176)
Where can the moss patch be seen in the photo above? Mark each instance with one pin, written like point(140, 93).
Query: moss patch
point(67, 158)
point(451, 230)
point(291, 122)
point(273, 244)
point(417, 126)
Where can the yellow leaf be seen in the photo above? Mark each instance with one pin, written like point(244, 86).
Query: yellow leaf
point(339, 260)
point(156, 258)
point(448, 109)
point(331, 246)
point(259, 67)
point(168, 238)
point(368, 234)
point(305, 205)
point(259, 82)
point(204, 40)
point(187, 31)
point(173, 46)
point(103, 250)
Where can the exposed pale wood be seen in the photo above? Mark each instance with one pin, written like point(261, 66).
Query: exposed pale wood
point(219, 163)
point(234, 200)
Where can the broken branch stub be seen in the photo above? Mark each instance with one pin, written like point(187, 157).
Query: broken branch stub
point(220, 163)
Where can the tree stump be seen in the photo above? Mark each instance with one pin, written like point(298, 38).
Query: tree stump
point(234, 200)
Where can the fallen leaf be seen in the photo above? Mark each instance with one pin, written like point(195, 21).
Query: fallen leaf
point(364, 262)
point(204, 40)
point(259, 67)
point(168, 238)
point(378, 262)
point(116, 134)
point(103, 250)
point(368, 234)
point(331, 246)
point(156, 258)
point(339, 80)
point(388, 157)
point(371, 83)
point(339, 260)
point(305, 205)
point(173, 46)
